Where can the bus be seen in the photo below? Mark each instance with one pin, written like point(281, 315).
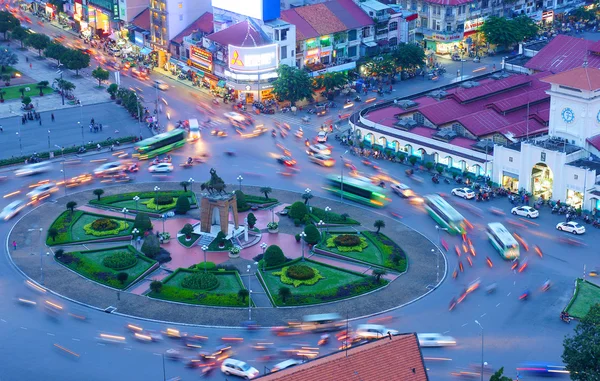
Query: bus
point(322, 322)
point(444, 214)
point(357, 190)
point(506, 245)
point(160, 144)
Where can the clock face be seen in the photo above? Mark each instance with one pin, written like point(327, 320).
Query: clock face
point(568, 115)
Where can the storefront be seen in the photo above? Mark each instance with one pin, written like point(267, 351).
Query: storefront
point(574, 198)
point(99, 21)
point(510, 181)
point(541, 181)
point(443, 43)
point(251, 71)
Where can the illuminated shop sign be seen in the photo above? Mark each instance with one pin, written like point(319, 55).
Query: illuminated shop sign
point(253, 59)
point(201, 58)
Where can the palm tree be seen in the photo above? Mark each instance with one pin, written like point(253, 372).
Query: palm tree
point(71, 205)
point(156, 286)
point(379, 224)
point(42, 85)
point(98, 193)
point(284, 293)
point(53, 233)
point(307, 196)
point(185, 184)
point(266, 191)
point(6, 78)
point(345, 216)
point(243, 294)
point(378, 273)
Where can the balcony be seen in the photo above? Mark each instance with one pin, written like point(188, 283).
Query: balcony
point(157, 21)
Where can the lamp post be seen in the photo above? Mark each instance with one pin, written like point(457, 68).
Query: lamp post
point(307, 193)
point(240, 179)
point(134, 232)
point(156, 189)
point(320, 224)
point(327, 210)
point(437, 252)
point(482, 363)
point(164, 218)
point(248, 267)
point(342, 178)
point(41, 255)
point(62, 149)
point(48, 139)
point(125, 210)
point(302, 236)
point(204, 248)
point(191, 181)
point(20, 145)
point(263, 246)
point(136, 199)
point(82, 140)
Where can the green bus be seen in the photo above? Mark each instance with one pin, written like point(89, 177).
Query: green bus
point(504, 242)
point(160, 144)
point(357, 190)
point(444, 214)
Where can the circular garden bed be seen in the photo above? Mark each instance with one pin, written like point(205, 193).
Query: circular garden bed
point(105, 226)
point(200, 281)
point(121, 260)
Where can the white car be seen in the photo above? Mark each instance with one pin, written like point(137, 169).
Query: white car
point(161, 85)
point(525, 211)
point(322, 137)
point(318, 148)
point(42, 191)
point(571, 227)
point(373, 331)
point(161, 168)
point(285, 364)
point(109, 168)
point(12, 209)
point(402, 190)
point(466, 193)
point(435, 340)
point(33, 169)
point(239, 368)
point(323, 160)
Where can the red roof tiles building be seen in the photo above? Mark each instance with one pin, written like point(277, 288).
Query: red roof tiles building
point(582, 78)
point(142, 20)
point(398, 358)
point(564, 53)
point(202, 24)
point(240, 34)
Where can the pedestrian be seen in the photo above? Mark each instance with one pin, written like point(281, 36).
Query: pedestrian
point(526, 199)
point(23, 120)
point(1, 128)
point(14, 245)
point(30, 66)
point(91, 127)
point(594, 213)
point(52, 116)
point(40, 121)
point(92, 121)
point(100, 127)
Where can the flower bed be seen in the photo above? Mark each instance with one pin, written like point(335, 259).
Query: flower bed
point(200, 281)
point(103, 227)
point(363, 252)
point(121, 260)
point(77, 227)
point(146, 202)
point(90, 264)
point(347, 243)
point(298, 275)
point(394, 256)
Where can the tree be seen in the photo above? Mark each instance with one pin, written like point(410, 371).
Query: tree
point(333, 81)
point(98, 193)
point(122, 277)
point(378, 273)
point(306, 196)
point(413, 160)
point(439, 169)
point(6, 79)
point(184, 184)
point(500, 31)
point(313, 236)
point(378, 225)
point(53, 233)
point(156, 286)
point(58, 253)
point(76, 60)
point(284, 293)
point(2, 92)
point(19, 33)
point(581, 351)
point(379, 66)
point(71, 205)
point(274, 256)
point(38, 41)
point(243, 294)
point(409, 56)
point(525, 26)
point(429, 165)
point(581, 13)
point(345, 216)
point(112, 90)
point(298, 210)
point(56, 51)
point(292, 84)
point(142, 222)
point(7, 58)
point(187, 230)
point(251, 220)
point(26, 100)
point(22, 90)
point(499, 376)
point(8, 22)
point(100, 74)
point(41, 86)
point(151, 246)
point(183, 205)
point(266, 191)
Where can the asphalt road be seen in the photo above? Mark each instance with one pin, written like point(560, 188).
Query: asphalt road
point(514, 331)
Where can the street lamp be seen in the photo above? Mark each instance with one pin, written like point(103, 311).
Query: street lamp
point(320, 224)
point(248, 267)
point(191, 181)
point(437, 252)
point(82, 141)
point(308, 195)
point(327, 210)
point(204, 248)
point(41, 255)
point(302, 236)
point(136, 199)
point(482, 363)
point(240, 179)
point(125, 210)
point(164, 218)
point(48, 139)
point(342, 178)
point(20, 145)
point(134, 232)
point(156, 189)
point(263, 246)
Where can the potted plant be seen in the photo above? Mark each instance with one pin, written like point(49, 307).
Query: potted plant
point(234, 252)
point(273, 227)
point(165, 237)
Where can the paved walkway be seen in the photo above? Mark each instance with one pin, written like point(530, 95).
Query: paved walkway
point(421, 273)
point(351, 266)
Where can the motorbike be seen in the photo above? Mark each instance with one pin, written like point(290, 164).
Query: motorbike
point(215, 101)
point(274, 134)
point(546, 286)
point(555, 209)
point(435, 180)
point(446, 180)
point(524, 295)
point(357, 98)
point(564, 316)
point(491, 288)
point(323, 340)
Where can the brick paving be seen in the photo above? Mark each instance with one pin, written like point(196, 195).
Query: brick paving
point(421, 271)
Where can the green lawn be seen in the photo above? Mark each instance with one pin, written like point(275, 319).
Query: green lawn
point(189, 243)
point(78, 234)
point(337, 284)
point(214, 245)
point(125, 200)
point(224, 295)
point(319, 214)
point(12, 92)
point(63, 225)
point(89, 264)
point(370, 254)
point(586, 296)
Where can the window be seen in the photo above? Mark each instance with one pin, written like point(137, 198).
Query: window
point(450, 11)
point(352, 35)
point(425, 8)
point(438, 25)
point(448, 27)
point(181, 17)
point(575, 177)
point(393, 26)
point(325, 60)
point(485, 4)
point(510, 159)
point(366, 32)
point(284, 33)
point(276, 35)
point(352, 51)
point(413, 5)
point(283, 52)
point(393, 41)
point(404, 4)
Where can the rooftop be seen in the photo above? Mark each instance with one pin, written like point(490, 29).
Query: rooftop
point(449, 2)
point(142, 20)
point(375, 5)
point(583, 78)
point(594, 141)
point(202, 24)
point(244, 33)
point(367, 362)
point(563, 53)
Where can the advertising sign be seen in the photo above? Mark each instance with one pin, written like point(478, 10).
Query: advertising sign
point(253, 59)
point(474, 24)
point(259, 9)
point(201, 57)
point(446, 37)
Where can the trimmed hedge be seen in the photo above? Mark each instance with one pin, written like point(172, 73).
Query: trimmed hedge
point(347, 240)
point(274, 256)
point(63, 224)
point(120, 261)
point(319, 214)
point(200, 281)
point(300, 272)
point(394, 255)
point(298, 210)
point(108, 200)
point(362, 243)
point(151, 204)
point(285, 278)
point(118, 226)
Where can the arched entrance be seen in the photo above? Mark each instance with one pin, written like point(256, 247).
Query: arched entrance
point(542, 180)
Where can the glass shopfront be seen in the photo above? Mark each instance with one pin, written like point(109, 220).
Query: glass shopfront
point(510, 181)
point(574, 198)
point(541, 181)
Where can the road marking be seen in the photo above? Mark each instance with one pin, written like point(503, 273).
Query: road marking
point(3, 321)
point(464, 324)
point(514, 283)
point(127, 349)
point(483, 315)
point(448, 331)
point(74, 339)
point(509, 294)
point(101, 344)
point(497, 304)
point(85, 247)
point(50, 334)
point(24, 328)
point(157, 354)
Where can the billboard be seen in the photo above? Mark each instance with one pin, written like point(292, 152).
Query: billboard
point(259, 9)
point(201, 58)
point(254, 59)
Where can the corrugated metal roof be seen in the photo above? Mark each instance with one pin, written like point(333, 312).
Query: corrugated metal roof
point(564, 53)
point(583, 78)
point(492, 87)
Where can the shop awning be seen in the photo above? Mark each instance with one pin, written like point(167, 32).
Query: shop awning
point(145, 51)
point(370, 44)
point(221, 83)
point(510, 174)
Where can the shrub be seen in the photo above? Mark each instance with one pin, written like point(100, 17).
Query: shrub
point(226, 267)
point(312, 234)
point(272, 225)
point(284, 293)
point(151, 246)
point(241, 199)
point(210, 266)
point(59, 253)
point(243, 294)
point(347, 240)
point(163, 200)
point(297, 236)
point(298, 210)
point(122, 277)
point(120, 260)
point(183, 205)
point(187, 230)
point(306, 219)
point(152, 205)
point(300, 272)
point(119, 226)
point(220, 239)
point(297, 221)
point(200, 281)
point(251, 220)
point(362, 243)
point(142, 222)
point(274, 256)
point(53, 233)
point(156, 286)
point(285, 278)
point(104, 224)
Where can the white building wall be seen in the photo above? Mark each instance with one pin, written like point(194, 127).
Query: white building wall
point(182, 13)
point(586, 110)
point(128, 9)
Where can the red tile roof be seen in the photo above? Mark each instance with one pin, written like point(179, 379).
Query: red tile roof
point(510, 103)
point(203, 24)
point(583, 78)
point(240, 34)
point(396, 359)
point(449, 2)
point(522, 129)
point(142, 20)
point(563, 53)
point(594, 141)
point(464, 95)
